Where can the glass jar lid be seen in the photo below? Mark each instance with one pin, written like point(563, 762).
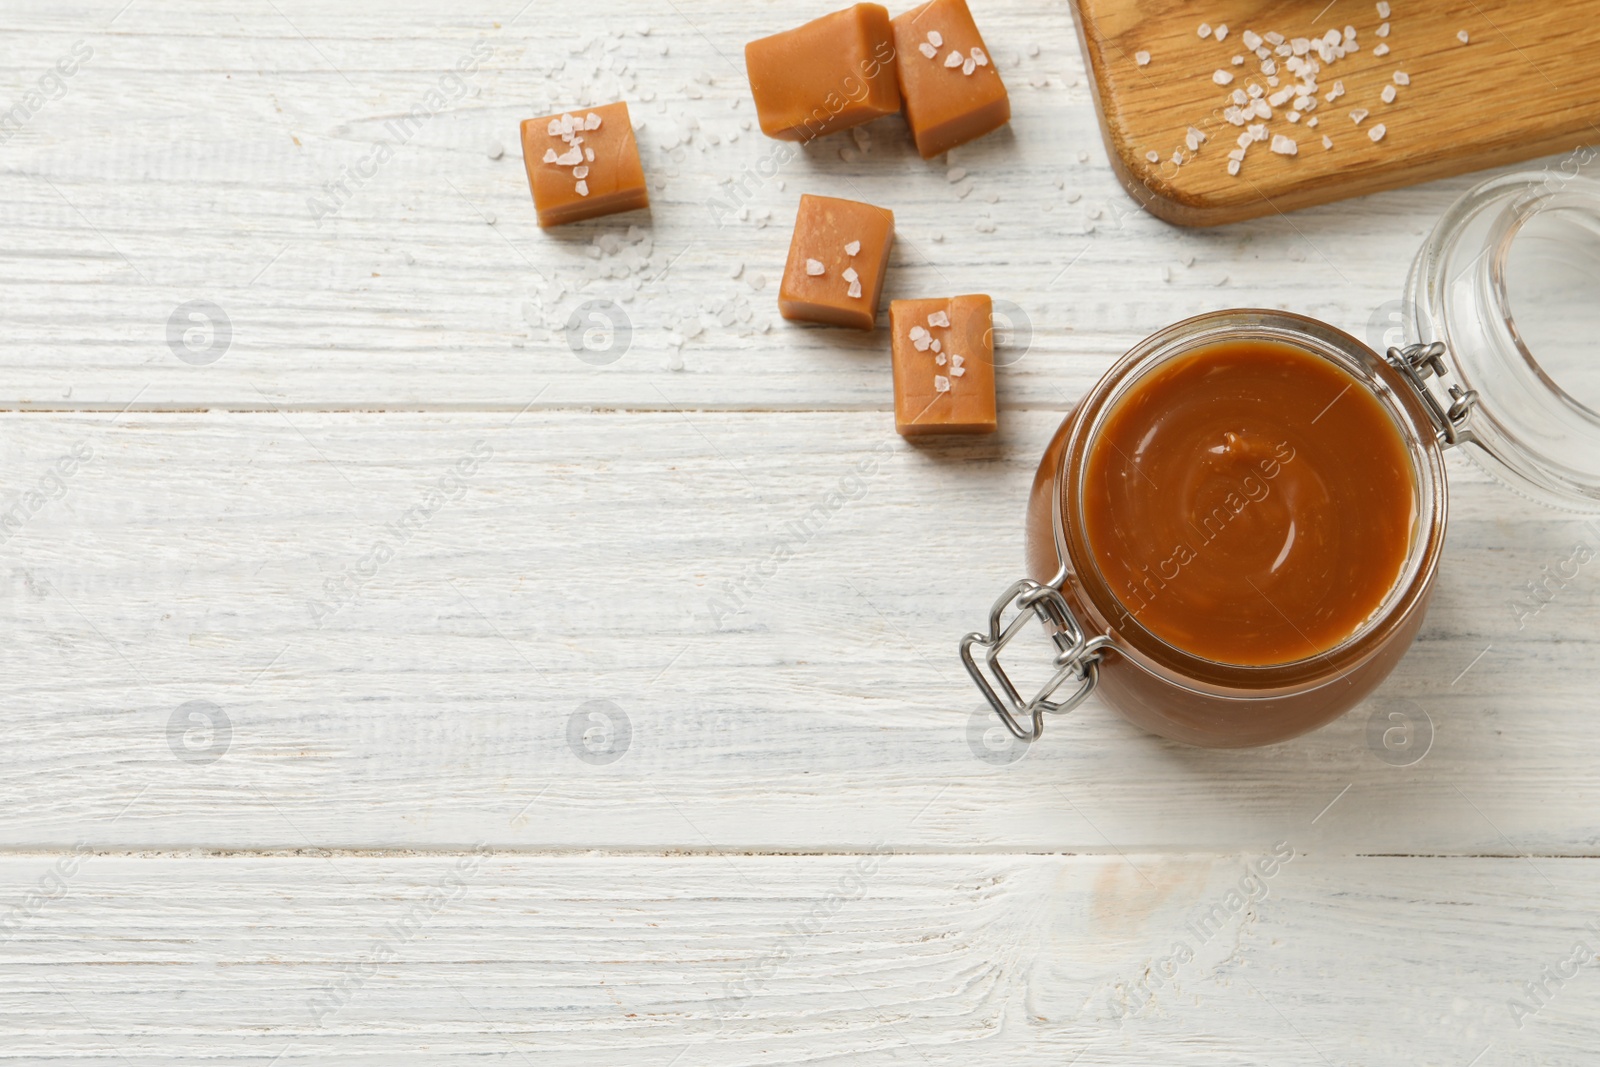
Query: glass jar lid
point(1509, 282)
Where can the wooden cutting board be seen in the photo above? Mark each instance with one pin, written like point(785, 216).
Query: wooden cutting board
point(1525, 83)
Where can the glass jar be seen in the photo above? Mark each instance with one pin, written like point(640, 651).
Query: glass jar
point(1468, 376)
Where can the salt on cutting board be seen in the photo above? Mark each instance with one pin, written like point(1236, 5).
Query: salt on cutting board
point(1224, 111)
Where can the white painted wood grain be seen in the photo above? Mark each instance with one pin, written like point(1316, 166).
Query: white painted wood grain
point(179, 164)
point(797, 960)
point(196, 908)
point(589, 557)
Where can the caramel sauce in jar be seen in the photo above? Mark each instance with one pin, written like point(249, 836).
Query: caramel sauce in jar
point(1249, 503)
point(1248, 511)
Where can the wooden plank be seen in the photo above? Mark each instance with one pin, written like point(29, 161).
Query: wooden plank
point(738, 960)
point(180, 163)
point(773, 601)
point(1435, 126)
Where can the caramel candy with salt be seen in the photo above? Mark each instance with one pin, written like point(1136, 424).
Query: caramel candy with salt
point(583, 164)
point(837, 259)
point(830, 74)
point(943, 353)
point(949, 85)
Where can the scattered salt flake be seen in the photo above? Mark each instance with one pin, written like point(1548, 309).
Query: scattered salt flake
point(1312, 121)
point(1222, 77)
point(956, 372)
point(954, 59)
point(928, 50)
point(591, 121)
point(1376, 133)
point(1177, 157)
point(1463, 36)
point(1383, 30)
point(1245, 140)
point(850, 274)
point(853, 248)
point(1205, 30)
point(1256, 92)
point(1258, 131)
point(570, 158)
point(1142, 58)
point(580, 172)
point(496, 150)
point(1359, 115)
point(1383, 9)
point(1222, 32)
point(939, 318)
point(1252, 40)
point(588, 154)
point(1388, 94)
point(939, 360)
point(969, 65)
point(550, 155)
point(1381, 50)
point(937, 346)
point(1238, 61)
point(1284, 146)
point(1194, 139)
point(1273, 38)
point(815, 268)
point(955, 174)
point(854, 292)
point(1153, 156)
point(1327, 142)
point(583, 188)
point(1233, 167)
point(921, 343)
point(554, 129)
point(1262, 109)
point(935, 38)
point(1402, 78)
point(982, 60)
point(1293, 116)
point(941, 384)
point(1236, 153)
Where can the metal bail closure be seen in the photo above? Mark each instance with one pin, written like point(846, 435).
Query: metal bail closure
point(1077, 659)
point(1418, 363)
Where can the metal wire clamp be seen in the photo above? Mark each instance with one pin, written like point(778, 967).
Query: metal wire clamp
point(1077, 657)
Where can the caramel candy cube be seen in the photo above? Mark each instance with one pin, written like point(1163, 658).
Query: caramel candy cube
point(830, 74)
point(949, 84)
point(583, 164)
point(837, 259)
point(943, 353)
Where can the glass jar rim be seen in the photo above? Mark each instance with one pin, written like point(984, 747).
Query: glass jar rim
point(1316, 338)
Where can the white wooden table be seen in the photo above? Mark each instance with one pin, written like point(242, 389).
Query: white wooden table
point(386, 684)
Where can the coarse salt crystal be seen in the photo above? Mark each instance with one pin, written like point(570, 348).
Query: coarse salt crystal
point(1233, 167)
point(580, 172)
point(1402, 78)
point(1256, 90)
point(1263, 110)
point(854, 292)
point(815, 268)
point(1245, 140)
point(1327, 142)
point(956, 372)
point(927, 49)
point(1359, 115)
point(1383, 30)
point(941, 384)
point(583, 188)
point(1463, 37)
point(554, 129)
point(588, 154)
point(1312, 121)
point(935, 38)
point(571, 157)
point(1194, 139)
point(549, 155)
point(1153, 156)
point(852, 248)
point(1177, 157)
point(938, 346)
point(850, 274)
point(1388, 94)
point(1142, 58)
point(954, 59)
point(1237, 154)
point(591, 121)
point(1332, 38)
point(1284, 146)
point(956, 361)
point(1238, 61)
point(1293, 116)
point(1222, 77)
point(1240, 97)
point(1279, 98)
point(1222, 32)
point(1349, 33)
point(1234, 115)
point(1377, 132)
point(1383, 9)
point(939, 360)
point(939, 318)
point(1274, 38)
point(968, 65)
point(1252, 40)
point(1381, 50)
point(1205, 30)
point(980, 58)
point(1258, 132)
